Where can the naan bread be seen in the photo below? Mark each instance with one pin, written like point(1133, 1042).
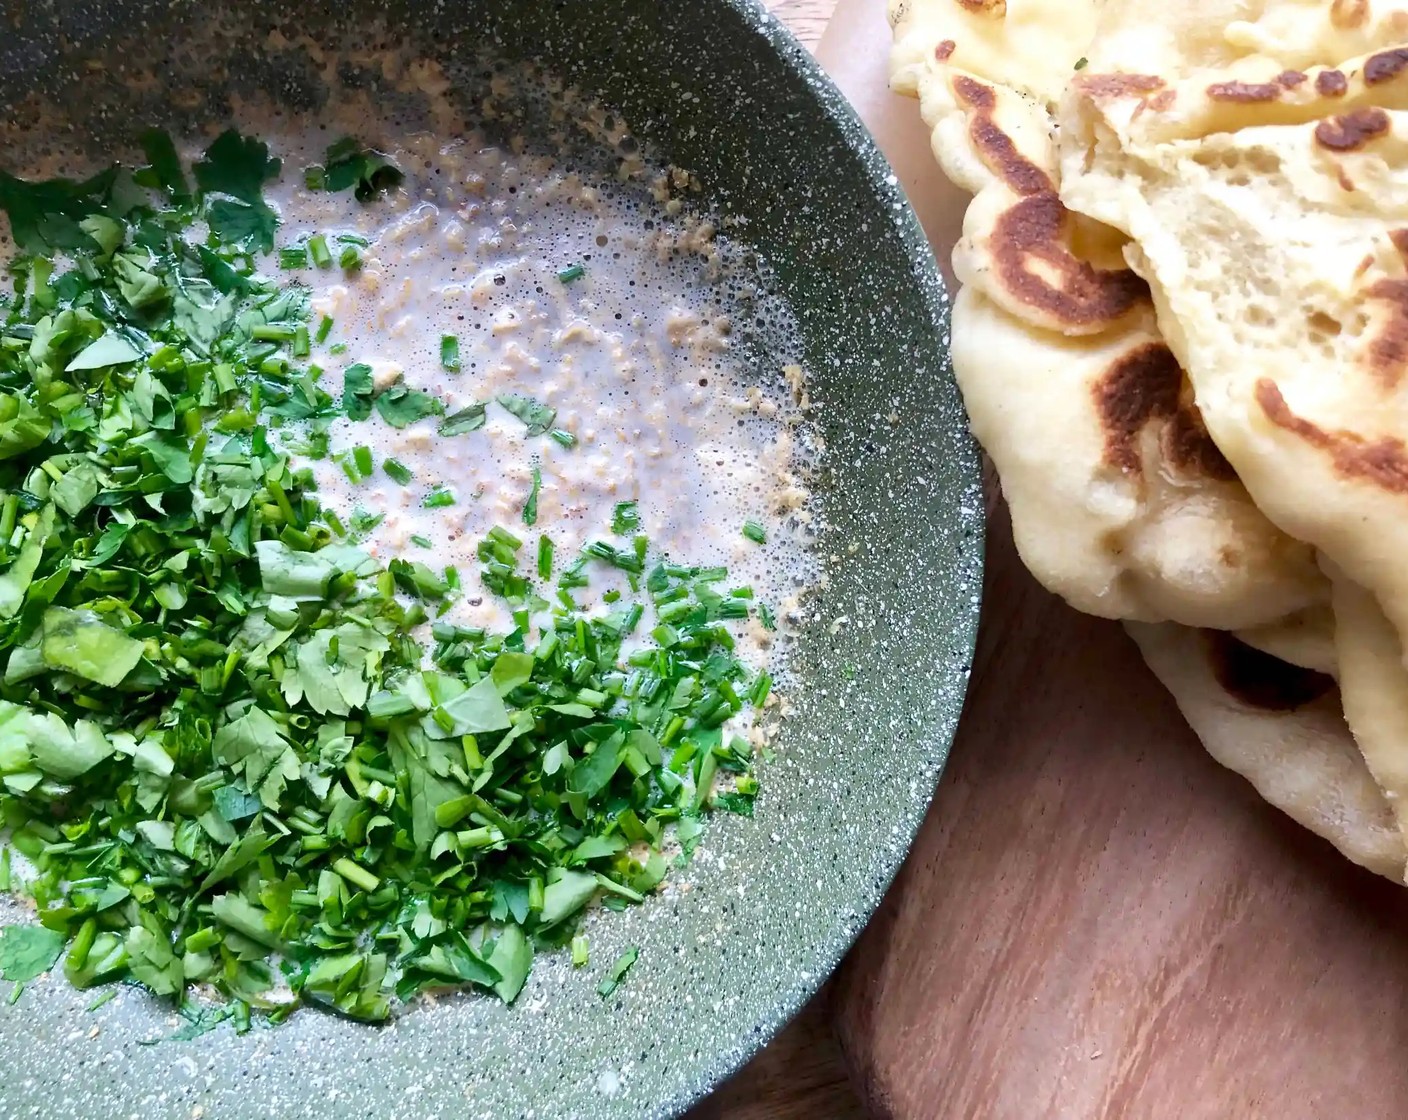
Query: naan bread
point(1280, 727)
point(1121, 503)
point(1306, 639)
point(1269, 211)
point(1374, 685)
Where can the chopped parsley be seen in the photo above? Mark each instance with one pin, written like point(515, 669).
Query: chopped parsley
point(570, 273)
point(240, 751)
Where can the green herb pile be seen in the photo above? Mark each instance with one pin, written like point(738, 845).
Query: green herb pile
point(235, 749)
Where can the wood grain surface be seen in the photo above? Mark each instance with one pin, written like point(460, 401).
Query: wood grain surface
point(1099, 921)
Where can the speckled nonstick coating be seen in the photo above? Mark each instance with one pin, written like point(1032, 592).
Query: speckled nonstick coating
point(721, 88)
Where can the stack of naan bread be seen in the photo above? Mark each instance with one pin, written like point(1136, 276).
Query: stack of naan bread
point(1182, 336)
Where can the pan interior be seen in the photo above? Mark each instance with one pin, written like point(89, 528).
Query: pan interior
point(882, 664)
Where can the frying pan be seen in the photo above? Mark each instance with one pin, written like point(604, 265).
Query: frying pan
point(881, 666)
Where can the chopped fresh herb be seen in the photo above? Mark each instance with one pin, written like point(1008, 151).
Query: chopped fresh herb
point(571, 272)
point(537, 416)
point(625, 518)
point(530, 507)
point(1082, 63)
point(293, 257)
point(617, 972)
point(27, 952)
point(350, 259)
point(237, 167)
point(450, 353)
point(224, 750)
point(398, 471)
point(766, 617)
point(468, 419)
point(349, 165)
point(562, 436)
point(755, 532)
point(422, 542)
point(318, 250)
point(401, 406)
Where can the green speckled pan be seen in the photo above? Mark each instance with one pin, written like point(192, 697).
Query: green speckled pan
point(720, 88)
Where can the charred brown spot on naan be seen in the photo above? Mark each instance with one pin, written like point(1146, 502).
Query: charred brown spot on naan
point(1351, 131)
point(1190, 447)
point(1259, 680)
point(1331, 83)
point(996, 146)
point(1349, 14)
point(1382, 462)
point(1102, 86)
point(944, 51)
point(1029, 244)
point(1385, 66)
point(1141, 387)
point(1291, 78)
point(1144, 386)
point(1245, 92)
point(994, 8)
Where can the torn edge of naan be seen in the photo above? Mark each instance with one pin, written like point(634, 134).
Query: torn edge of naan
point(1281, 728)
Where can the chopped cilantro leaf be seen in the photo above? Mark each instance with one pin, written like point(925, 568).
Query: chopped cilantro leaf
point(349, 165)
point(537, 416)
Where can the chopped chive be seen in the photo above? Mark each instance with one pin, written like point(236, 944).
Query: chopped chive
point(424, 542)
point(755, 532)
point(355, 874)
point(618, 970)
point(293, 256)
point(450, 352)
point(15, 993)
point(761, 687)
point(571, 272)
point(362, 456)
point(273, 332)
point(324, 329)
point(565, 438)
point(438, 498)
point(318, 248)
point(107, 997)
point(398, 471)
point(530, 507)
point(301, 347)
point(766, 617)
point(338, 348)
point(4, 869)
point(545, 551)
point(352, 239)
point(350, 259)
